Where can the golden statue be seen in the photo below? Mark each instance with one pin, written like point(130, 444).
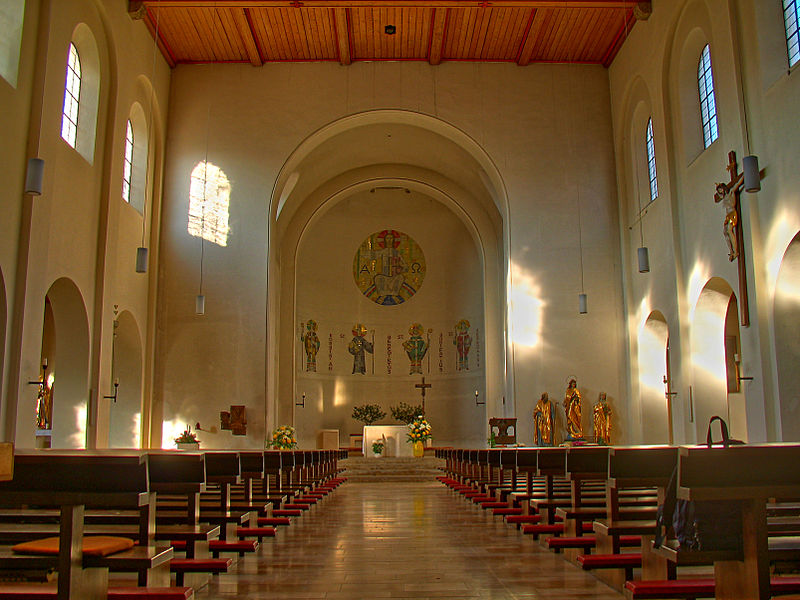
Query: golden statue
point(543, 421)
point(601, 414)
point(572, 408)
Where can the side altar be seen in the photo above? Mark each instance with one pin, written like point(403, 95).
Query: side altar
point(396, 441)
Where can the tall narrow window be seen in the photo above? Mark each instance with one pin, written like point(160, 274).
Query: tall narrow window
point(651, 161)
point(209, 198)
point(127, 166)
point(708, 105)
point(791, 18)
point(72, 94)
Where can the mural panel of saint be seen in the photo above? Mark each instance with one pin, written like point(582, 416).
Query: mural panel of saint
point(389, 267)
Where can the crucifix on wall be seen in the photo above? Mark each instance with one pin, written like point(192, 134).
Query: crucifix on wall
point(422, 387)
point(730, 194)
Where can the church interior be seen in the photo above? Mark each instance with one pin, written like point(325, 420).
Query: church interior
point(254, 192)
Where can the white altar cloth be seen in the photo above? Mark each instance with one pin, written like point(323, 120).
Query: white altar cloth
point(397, 443)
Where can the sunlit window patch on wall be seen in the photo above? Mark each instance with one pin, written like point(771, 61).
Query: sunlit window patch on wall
point(209, 201)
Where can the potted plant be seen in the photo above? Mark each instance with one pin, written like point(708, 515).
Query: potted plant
point(368, 413)
point(377, 448)
point(419, 430)
point(283, 438)
point(405, 413)
point(187, 440)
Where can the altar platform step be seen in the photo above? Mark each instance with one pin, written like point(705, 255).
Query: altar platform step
point(391, 469)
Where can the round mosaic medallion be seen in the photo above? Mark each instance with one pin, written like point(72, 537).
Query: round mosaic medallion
point(389, 267)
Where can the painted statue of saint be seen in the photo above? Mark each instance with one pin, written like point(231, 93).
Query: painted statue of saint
point(572, 408)
point(358, 347)
point(731, 222)
point(44, 407)
point(543, 421)
point(601, 414)
point(462, 342)
point(310, 345)
point(416, 347)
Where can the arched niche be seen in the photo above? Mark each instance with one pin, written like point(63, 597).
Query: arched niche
point(125, 415)
point(787, 334)
point(692, 32)
point(65, 344)
point(653, 363)
point(715, 356)
point(386, 148)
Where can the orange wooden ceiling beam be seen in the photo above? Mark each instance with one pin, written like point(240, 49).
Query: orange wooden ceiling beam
point(576, 4)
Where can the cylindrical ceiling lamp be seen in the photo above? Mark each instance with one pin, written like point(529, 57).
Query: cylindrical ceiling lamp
point(644, 260)
point(141, 260)
point(34, 177)
point(752, 174)
point(200, 304)
point(582, 306)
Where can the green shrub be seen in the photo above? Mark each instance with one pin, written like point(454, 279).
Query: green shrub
point(405, 413)
point(368, 413)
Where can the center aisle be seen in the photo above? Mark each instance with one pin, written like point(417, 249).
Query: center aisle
point(402, 540)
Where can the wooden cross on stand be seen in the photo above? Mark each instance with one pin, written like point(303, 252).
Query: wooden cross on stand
point(729, 194)
point(423, 386)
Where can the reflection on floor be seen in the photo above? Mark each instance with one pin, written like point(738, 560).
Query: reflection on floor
point(402, 540)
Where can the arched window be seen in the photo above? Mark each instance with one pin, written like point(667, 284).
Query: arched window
point(791, 18)
point(209, 197)
point(11, 16)
point(127, 166)
point(651, 161)
point(708, 105)
point(72, 95)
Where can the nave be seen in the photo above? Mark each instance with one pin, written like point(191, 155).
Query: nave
point(402, 540)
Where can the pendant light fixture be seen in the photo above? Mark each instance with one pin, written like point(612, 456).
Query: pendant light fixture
point(34, 177)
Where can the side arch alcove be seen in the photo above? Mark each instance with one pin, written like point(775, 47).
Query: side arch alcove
point(375, 171)
point(787, 332)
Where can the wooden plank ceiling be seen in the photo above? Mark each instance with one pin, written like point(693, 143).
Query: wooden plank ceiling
point(260, 31)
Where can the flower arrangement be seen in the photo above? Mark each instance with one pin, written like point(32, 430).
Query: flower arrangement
point(186, 437)
point(377, 447)
point(283, 438)
point(368, 413)
point(419, 430)
point(405, 413)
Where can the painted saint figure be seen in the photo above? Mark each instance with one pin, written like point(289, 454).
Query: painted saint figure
point(543, 421)
point(601, 414)
point(462, 342)
point(44, 406)
point(731, 222)
point(572, 408)
point(310, 345)
point(358, 347)
point(416, 348)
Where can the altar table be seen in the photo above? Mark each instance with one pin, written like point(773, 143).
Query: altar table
point(397, 443)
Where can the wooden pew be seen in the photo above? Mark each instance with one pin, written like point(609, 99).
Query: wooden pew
point(72, 481)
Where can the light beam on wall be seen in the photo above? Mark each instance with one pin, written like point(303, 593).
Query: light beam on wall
point(784, 228)
point(698, 278)
point(78, 439)
point(209, 204)
point(171, 430)
point(526, 308)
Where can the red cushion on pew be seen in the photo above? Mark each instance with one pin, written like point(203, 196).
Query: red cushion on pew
point(178, 545)
point(151, 593)
point(282, 512)
point(93, 545)
point(585, 541)
point(610, 561)
point(273, 521)
point(630, 540)
point(493, 504)
point(200, 565)
point(672, 588)
point(507, 511)
point(296, 506)
point(538, 529)
point(226, 546)
point(523, 518)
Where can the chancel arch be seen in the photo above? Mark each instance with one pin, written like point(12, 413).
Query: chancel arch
point(787, 332)
point(716, 356)
point(65, 350)
point(654, 377)
point(389, 152)
point(125, 412)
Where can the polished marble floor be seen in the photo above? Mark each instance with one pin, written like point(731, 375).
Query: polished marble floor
point(402, 540)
